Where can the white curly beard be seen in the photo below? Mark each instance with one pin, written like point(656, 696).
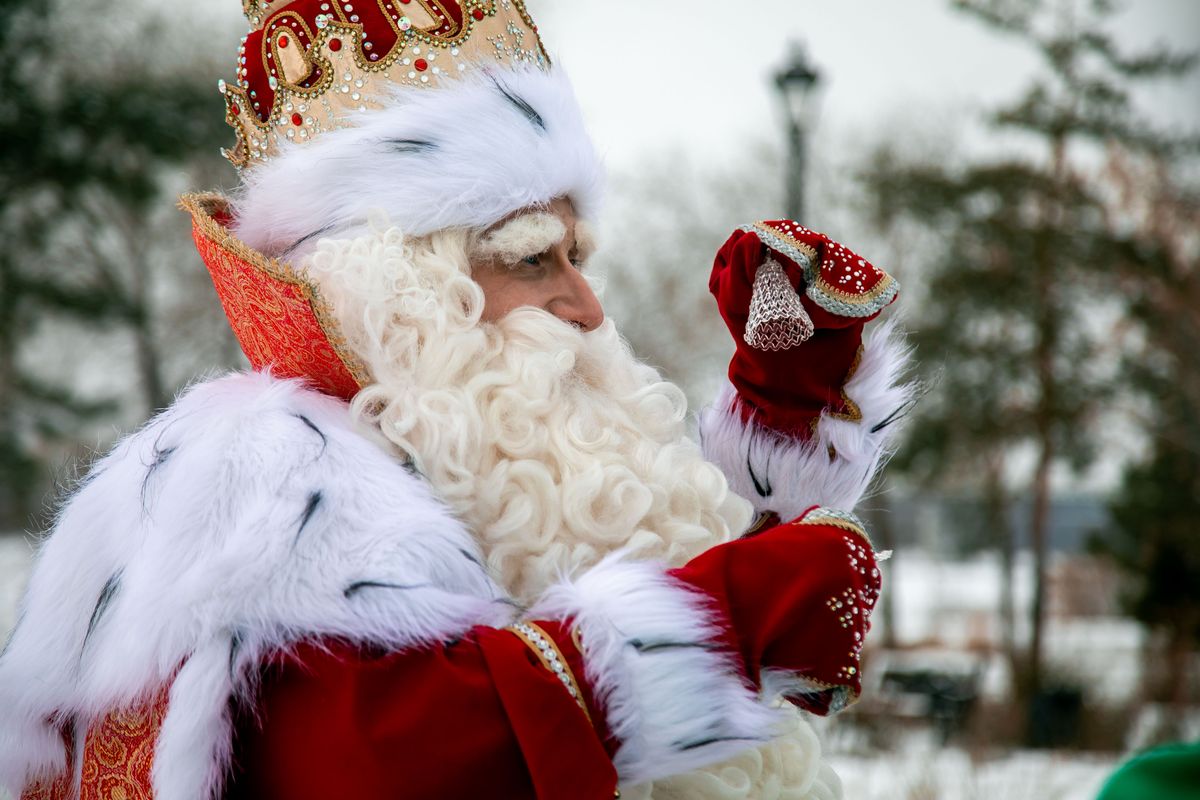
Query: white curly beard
point(555, 446)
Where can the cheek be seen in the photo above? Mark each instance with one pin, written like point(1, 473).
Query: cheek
point(503, 293)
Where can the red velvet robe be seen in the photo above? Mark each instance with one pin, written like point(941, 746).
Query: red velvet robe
point(483, 717)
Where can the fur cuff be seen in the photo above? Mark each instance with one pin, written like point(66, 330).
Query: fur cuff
point(671, 698)
point(787, 476)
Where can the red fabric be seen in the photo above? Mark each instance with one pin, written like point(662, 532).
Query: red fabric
point(797, 597)
point(60, 786)
point(277, 316)
point(298, 22)
point(787, 390)
point(561, 632)
point(478, 718)
point(118, 755)
point(483, 717)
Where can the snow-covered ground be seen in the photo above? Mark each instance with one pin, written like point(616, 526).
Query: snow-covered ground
point(951, 774)
point(952, 605)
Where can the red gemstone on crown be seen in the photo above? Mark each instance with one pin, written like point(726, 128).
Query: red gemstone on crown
point(335, 44)
point(236, 109)
point(421, 64)
point(477, 13)
point(283, 41)
point(297, 120)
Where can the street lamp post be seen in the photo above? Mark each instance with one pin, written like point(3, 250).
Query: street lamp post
point(796, 82)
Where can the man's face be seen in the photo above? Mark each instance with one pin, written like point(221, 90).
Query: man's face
point(535, 258)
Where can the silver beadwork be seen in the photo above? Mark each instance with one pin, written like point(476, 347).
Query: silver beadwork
point(777, 320)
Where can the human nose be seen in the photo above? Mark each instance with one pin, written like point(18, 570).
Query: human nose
point(576, 303)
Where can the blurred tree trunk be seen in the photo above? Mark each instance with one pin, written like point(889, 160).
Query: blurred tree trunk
point(1047, 316)
point(1000, 532)
point(1180, 653)
point(884, 534)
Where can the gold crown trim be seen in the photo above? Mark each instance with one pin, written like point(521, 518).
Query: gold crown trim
point(348, 75)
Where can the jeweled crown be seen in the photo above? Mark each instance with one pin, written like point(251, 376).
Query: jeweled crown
point(307, 66)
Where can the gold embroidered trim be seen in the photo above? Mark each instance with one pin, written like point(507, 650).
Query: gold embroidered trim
point(552, 659)
point(577, 640)
point(760, 524)
point(852, 413)
point(258, 139)
point(841, 702)
point(204, 206)
point(850, 303)
point(806, 249)
point(837, 519)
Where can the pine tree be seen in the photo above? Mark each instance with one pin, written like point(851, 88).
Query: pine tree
point(1022, 304)
point(86, 143)
point(1156, 513)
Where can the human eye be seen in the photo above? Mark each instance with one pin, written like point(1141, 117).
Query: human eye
point(531, 267)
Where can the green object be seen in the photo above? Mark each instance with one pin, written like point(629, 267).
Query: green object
point(1170, 772)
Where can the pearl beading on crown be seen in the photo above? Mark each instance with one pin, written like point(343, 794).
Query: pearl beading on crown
point(308, 65)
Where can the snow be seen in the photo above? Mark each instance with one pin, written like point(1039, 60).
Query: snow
point(952, 606)
point(952, 774)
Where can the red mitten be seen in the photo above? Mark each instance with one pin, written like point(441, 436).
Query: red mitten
point(798, 599)
point(796, 303)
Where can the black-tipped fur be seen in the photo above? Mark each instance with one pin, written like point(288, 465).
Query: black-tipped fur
point(763, 487)
point(235, 649)
point(307, 238)
point(161, 455)
point(897, 415)
point(522, 105)
point(103, 602)
point(355, 588)
point(714, 740)
point(310, 508)
point(651, 647)
point(411, 146)
point(308, 422)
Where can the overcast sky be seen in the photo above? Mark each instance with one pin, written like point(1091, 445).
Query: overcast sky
point(696, 75)
point(657, 75)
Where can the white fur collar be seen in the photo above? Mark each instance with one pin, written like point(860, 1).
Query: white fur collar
point(249, 514)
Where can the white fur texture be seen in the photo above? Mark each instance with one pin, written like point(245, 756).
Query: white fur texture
point(478, 158)
point(801, 474)
point(238, 521)
point(555, 446)
point(674, 702)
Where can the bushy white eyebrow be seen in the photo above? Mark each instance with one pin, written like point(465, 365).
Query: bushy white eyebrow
point(524, 236)
point(585, 240)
